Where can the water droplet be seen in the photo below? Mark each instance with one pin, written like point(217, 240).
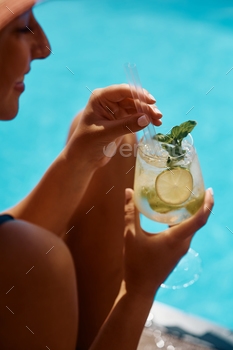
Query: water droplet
point(160, 344)
point(170, 347)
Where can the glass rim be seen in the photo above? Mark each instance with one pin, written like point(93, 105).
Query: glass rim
point(154, 156)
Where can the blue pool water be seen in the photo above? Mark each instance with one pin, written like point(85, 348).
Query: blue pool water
point(182, 49)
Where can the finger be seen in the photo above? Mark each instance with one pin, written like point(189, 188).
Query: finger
point(190, 226)
point(127, 103)
point(154, 113)
point(132, 111)
point(131, 124)
point(117, 93)
point(148, 94)
point(114, 104)
point(132, 219)
point(149, 109)
point(117, 112)
point(107, 112)
point(129, 210)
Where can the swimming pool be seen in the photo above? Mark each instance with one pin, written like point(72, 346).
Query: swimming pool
point(182, 50)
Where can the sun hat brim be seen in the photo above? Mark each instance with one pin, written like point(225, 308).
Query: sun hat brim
point(10, 9)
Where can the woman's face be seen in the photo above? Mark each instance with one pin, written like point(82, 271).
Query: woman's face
point(18, 48)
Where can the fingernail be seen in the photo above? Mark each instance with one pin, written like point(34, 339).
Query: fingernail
point(211, 191)
point(143, 121)
point(155, 109)
point(152, 97)
point(158, 111)
point(128, 195)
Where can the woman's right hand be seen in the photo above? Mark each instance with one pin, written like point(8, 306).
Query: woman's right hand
point(150, 258)
point(109, 115)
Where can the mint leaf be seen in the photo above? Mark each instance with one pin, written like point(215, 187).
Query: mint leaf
point(175, 132)
point(174, 151)
point(179, 151)
point(175, 138)
point(185, 129)
point(169, 149)
point(178, 133)
point(163, 138)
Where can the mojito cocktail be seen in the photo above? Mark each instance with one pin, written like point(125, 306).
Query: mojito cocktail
point(168, 184)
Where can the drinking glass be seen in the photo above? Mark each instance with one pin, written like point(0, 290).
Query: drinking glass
point(169, 188)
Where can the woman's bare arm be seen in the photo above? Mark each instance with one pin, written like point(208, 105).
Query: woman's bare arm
point(53, 201)
point(124, 325)
point(148, 260)
point(25, 210)
point(60, 191)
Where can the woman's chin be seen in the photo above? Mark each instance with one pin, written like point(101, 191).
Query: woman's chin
point(9, 114)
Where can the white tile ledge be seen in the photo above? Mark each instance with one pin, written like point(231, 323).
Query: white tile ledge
point(187, 328)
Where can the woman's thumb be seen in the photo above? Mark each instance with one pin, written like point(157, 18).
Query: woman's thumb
point(128, 195)
point(129, 210)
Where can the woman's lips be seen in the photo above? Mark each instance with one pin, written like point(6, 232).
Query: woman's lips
point(19, 87)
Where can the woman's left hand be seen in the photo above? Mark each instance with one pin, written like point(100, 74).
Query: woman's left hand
point(109, 115)
point(150, 258)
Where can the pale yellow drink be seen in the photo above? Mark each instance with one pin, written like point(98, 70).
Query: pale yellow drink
point(168, 189)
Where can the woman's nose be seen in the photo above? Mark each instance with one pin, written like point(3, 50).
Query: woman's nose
point(40, 47)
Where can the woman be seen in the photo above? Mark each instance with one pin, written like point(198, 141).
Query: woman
point(60, 288)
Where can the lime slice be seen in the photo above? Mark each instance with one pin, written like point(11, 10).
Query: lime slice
point(174, 186)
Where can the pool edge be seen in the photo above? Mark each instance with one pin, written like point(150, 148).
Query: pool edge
point(187, 328)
